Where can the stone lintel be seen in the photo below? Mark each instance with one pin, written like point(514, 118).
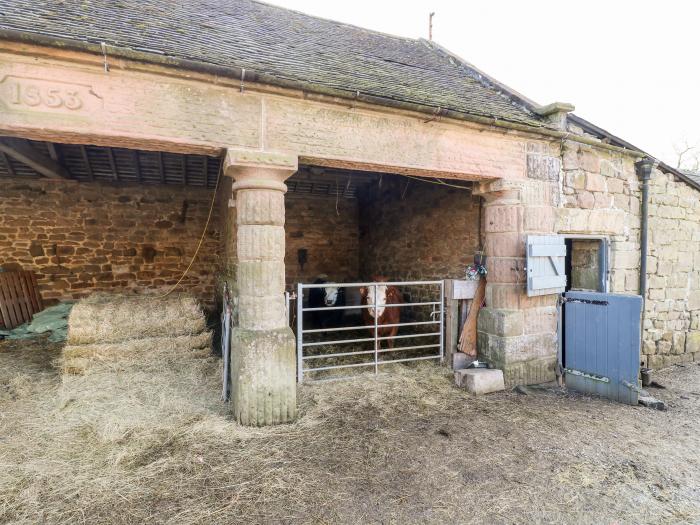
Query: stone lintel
point(497, 186)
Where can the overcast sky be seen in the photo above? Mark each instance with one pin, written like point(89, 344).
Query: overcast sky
point(630, 67)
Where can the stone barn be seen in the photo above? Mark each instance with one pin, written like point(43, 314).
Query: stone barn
point(278, 146)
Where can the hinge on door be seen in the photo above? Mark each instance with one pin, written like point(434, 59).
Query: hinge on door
point(594, 377)
point(633, 388)
point(584, 301)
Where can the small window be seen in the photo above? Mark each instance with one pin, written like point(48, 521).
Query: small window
point(586, 264)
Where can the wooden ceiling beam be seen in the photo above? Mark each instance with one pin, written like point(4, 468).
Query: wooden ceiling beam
point(161, 167)
point(113, 164)
point(137, 165)
point(206, 171)
point(22, 151)
point(53, 152)
point(86, 160)
point(10, 168)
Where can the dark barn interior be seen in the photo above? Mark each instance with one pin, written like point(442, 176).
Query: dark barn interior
point(352, 227)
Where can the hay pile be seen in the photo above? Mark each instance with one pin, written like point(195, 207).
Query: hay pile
point(159, 447)
point(110, 332)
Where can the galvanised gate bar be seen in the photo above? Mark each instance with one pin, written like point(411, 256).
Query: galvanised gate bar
point(435, 335)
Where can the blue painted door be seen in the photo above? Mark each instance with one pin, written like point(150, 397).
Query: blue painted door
point(601, 348)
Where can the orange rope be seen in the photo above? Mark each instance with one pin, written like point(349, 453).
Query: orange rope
point(201, 239)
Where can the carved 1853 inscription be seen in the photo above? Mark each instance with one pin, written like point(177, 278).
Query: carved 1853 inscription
point(34, 93)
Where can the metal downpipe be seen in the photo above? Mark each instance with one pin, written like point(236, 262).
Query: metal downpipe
point(643, 169)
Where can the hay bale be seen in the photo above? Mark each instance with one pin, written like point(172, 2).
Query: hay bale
point(103, 318)
point(145, 354)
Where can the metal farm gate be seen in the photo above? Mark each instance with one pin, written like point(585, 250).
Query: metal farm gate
point(316, 347)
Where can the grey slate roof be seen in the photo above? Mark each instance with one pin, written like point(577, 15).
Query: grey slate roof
point(276, 42)
point(693, 175)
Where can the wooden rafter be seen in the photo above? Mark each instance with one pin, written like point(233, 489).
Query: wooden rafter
point(113, 164)
point(10, 168)
point(161, 167)
point(137, 165)
point(23, 152)
point(86, 160)
point(53, 151)
point(206, 171)
point(47, 159)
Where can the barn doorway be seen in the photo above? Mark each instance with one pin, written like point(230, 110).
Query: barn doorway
point(586, 268)
point(356, 227)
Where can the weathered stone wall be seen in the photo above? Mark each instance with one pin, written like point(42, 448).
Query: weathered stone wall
point(429, 233)
point(600, 196)
point(518, 333)
point(672, 313)
point(412, 230)
point(81, 238)
point(328, 230)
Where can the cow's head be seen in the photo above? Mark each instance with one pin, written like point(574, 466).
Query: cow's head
point(368, 294)
point(331, 295)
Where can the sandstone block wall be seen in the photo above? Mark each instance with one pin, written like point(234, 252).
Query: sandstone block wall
point(518, 333)
point(86, 237)
point(412, 230)
point(421, 232)
point(329, 231)
point(672, 313)
point(601, 196)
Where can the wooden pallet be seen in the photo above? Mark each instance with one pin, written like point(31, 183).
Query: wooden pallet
point(19, 298)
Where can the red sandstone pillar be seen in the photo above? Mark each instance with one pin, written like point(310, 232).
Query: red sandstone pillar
point(516, 333)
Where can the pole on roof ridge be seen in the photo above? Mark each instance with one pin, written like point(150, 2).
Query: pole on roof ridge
point(430, 25)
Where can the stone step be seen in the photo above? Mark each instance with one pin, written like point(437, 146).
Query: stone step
point(480, 380)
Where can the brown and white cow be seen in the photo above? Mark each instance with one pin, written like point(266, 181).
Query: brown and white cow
point(386, 315)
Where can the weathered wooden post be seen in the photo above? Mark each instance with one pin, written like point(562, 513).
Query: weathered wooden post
point(263, 364)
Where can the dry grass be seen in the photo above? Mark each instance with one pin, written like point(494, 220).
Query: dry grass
point(157, 446)
point(107, 318)
point(143, 354)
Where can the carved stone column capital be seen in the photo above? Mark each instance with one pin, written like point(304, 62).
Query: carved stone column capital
point(262, 170)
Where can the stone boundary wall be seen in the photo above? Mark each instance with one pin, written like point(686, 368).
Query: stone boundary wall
point(672, 313)
point(86, 237)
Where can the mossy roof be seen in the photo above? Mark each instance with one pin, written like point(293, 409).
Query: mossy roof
point(276, 43)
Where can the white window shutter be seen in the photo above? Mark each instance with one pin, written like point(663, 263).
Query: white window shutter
point(546, 256)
